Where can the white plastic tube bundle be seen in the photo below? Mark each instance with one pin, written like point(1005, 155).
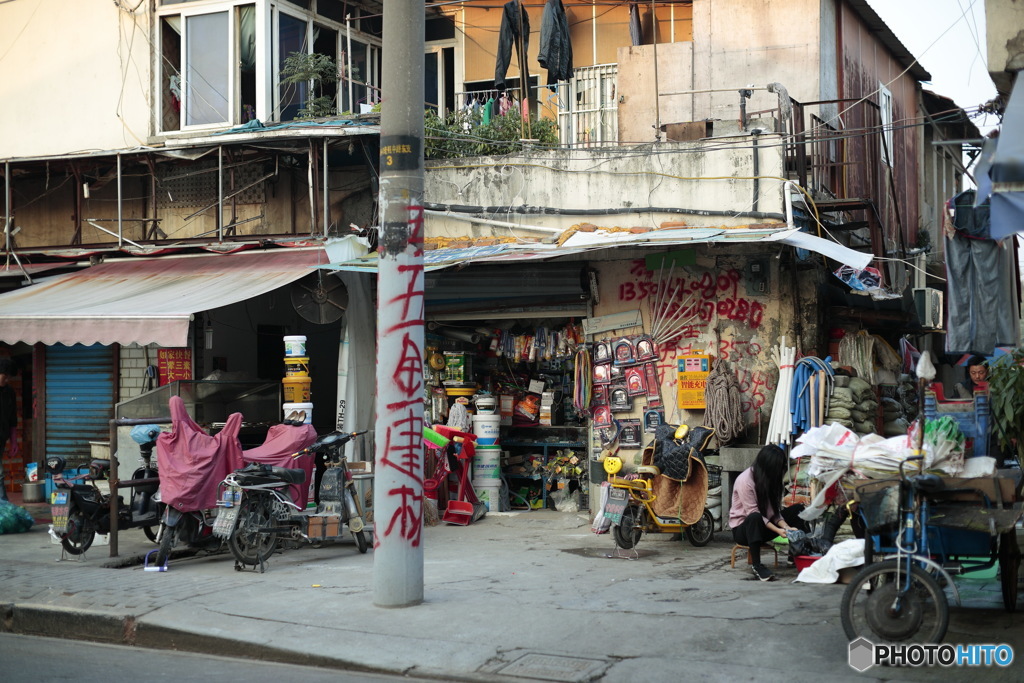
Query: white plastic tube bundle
point(780, 426)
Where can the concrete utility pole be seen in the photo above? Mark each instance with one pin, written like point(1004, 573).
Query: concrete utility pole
point(398, 484)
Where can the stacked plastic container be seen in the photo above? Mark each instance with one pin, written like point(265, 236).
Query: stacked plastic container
point(487, 462)
point(296, 380)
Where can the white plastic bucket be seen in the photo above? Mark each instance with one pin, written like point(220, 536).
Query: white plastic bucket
point(487, 465)
point(485, 405)
point(306, 408)
point(489, 496)
point(486, 429)
point(295, 346)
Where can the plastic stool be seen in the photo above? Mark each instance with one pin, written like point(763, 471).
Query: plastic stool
point(764, 546)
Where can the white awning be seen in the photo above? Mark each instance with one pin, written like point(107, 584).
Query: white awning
point(145, 301)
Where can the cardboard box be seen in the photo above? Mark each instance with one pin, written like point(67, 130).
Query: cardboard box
point(361, 467)
point(506, 403)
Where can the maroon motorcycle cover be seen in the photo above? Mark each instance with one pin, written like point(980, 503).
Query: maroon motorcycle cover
point(192, 463)
point(282, 442)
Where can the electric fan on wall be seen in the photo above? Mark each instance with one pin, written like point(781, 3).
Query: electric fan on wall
point(320, 298)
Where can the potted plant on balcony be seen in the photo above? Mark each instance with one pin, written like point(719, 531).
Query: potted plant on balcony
point(316, 70)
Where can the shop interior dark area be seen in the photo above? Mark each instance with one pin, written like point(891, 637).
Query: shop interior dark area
point(511, 384)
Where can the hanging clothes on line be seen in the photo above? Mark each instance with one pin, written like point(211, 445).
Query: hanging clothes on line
point(555, 53)
point(980, 281)
point(509, 34)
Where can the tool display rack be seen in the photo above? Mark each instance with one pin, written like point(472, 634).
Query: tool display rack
point(523, 439)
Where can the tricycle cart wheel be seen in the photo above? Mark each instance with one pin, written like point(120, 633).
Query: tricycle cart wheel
point(1009, 568)
point(880, 606)
point(629, 529)
point(700, 534)
point(360, 541)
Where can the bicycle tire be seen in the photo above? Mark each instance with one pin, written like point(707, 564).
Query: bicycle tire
point(629, 529)
point(868, 601)
point(701, 533)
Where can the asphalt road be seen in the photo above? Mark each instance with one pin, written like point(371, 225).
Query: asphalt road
point(31, 659)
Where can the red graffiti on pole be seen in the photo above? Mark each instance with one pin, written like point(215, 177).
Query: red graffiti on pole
point(403, 446)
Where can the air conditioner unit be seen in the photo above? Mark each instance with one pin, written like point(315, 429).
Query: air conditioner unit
point(928, 302)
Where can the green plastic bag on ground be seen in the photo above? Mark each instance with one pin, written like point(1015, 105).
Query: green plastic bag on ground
point(14, 519)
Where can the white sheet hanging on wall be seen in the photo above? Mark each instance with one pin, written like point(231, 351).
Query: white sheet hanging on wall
point(357, 359)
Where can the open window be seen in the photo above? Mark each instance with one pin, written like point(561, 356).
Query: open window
point(207, 67)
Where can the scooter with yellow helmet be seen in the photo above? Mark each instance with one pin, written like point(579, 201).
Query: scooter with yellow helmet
point(648, 506)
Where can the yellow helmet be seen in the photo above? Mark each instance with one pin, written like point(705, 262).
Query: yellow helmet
point(681, 432)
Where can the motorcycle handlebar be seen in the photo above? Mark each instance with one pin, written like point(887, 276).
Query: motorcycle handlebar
point(343, 438)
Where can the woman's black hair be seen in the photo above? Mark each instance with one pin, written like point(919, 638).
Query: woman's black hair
point(770, 466)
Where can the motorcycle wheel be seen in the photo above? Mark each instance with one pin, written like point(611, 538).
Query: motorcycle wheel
point(699, 534)
point(168, 537)
point(79, 535)
point(629, 529)
point(150, 532)
point(247, 543)
point(361, 541)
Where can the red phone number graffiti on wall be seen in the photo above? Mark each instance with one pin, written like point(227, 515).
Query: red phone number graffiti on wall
point(705, 295)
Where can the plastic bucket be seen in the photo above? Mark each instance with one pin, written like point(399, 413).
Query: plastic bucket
point(305, 411)
point(486, 429)
point(296, 389)
point(295, 345)
point(460, 391)
point(486, 405)
point(487, 466)
point(296, 367)
point(489, 495)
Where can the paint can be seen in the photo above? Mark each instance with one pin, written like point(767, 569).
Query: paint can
point(295, 346)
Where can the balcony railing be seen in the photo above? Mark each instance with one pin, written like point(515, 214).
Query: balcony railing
point(588, 107)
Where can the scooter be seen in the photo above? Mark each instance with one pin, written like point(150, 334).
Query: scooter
point(257, 512)
point(81, 510)
point(638, 495)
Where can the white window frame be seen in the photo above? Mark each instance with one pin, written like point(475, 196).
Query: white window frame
point(886, 117)
point(184, 11)
point(268, 81)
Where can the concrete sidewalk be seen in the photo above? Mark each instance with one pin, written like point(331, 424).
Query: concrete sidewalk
point(516, 596)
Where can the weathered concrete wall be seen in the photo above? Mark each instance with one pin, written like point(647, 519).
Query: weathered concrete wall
point(1004, 27)
point(78, 83)
point(696, 176)
point(729, 318)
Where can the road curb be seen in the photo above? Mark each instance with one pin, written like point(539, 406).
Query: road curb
point(58, 622)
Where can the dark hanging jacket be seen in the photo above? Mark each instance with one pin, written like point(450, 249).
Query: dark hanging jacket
point(509, 36)
point(555, 53)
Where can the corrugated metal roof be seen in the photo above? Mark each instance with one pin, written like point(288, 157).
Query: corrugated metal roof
point(146, 301)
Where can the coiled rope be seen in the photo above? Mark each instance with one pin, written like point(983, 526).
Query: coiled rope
point(723, 411)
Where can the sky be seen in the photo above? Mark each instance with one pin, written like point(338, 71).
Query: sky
point(948, 39)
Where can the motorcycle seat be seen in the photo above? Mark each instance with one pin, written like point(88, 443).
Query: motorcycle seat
point(296, 476)
point(266, 474)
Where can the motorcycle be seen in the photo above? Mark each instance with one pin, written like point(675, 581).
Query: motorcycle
point(82, 510)
point(638, 494)
point(257, 512)
point(192, 463)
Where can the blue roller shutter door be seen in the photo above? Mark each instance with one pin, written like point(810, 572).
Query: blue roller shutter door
point(79, 399)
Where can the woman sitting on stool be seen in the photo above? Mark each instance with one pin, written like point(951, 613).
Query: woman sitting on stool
point(754, 516)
